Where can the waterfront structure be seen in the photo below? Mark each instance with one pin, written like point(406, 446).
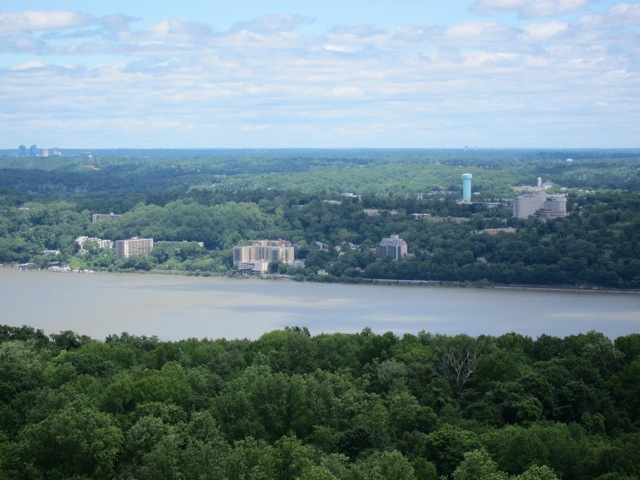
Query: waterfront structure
point(393, 247)
point(466, 187)
point(133, 246)
point(539, 204)
point(254, 266)
point(263, 250)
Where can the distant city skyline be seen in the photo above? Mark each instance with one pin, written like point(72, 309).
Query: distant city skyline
point(291, 74)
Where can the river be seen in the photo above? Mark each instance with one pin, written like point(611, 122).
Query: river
point(178, 307)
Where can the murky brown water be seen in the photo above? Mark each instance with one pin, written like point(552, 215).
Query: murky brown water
point(175, 307)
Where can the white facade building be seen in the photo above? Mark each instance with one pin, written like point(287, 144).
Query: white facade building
point(267, 250)
point(133, 246)
point(539, 204)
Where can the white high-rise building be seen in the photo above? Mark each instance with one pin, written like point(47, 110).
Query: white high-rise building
point(133, 246)
point(525, 206)
point(539, 204)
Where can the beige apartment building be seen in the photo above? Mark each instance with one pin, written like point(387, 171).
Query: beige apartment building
point(133, 246)
point(263, 250)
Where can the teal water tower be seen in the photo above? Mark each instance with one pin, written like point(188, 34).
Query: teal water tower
point(466, 187)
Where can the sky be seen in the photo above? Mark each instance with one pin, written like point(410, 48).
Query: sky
point(320, 74)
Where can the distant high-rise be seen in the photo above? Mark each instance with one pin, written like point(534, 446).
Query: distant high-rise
point(33, 151)
point(524, 206)
point(466, 187)
point(539, 204)
point(133, 246)
point(264, 250)
point(22, 151)
point(393, 247)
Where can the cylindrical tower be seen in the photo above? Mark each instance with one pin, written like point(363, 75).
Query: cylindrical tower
point(466, 187)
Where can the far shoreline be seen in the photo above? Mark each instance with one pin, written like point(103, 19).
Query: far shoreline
point(383, 282)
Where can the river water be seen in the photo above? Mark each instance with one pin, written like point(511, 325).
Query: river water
point(178, 307)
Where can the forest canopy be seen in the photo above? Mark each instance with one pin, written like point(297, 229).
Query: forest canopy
point(333, 406)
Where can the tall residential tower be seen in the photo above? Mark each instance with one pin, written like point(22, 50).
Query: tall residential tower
point(393, 247)
point(133, 246)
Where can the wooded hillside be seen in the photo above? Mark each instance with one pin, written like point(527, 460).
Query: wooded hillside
point(225, 198)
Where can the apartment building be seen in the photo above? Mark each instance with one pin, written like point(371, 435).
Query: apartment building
point(264, 250)
point(133, 246)
point(539, 204)
point(393, 247)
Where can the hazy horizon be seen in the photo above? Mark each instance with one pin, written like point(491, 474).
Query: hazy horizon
point(81, 150)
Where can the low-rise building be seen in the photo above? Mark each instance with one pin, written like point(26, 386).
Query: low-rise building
point(178, 243)
point(255, 266)
point(496, 231)
point(96, 217)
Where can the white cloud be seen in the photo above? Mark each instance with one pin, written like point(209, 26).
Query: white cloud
point(479, 58)
point(480, 32)
point(340, 48)
point(269, 24)
point(346, 91)
point(181, 83)
point(13, 22)
point(620, 15)
point(543, 32)
point(28, 65)
point(468, 29)
point(529, 8)
point(254, 128)
point(176, 29)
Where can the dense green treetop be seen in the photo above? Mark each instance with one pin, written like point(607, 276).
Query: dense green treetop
point(292, 405)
